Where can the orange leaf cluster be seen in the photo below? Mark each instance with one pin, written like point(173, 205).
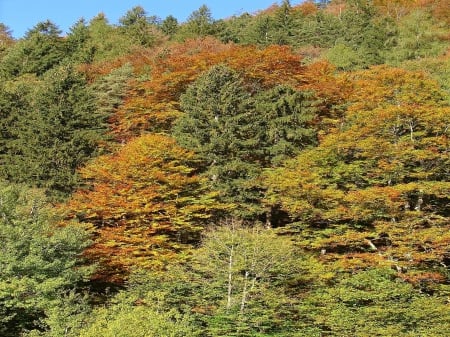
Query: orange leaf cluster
point(144, 201)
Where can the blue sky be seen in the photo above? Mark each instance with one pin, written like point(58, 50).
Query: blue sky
point(21, 15)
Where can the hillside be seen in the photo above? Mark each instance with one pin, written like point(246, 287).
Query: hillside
point(281, 173)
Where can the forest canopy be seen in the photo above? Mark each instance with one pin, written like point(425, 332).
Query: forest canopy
point(278, 173)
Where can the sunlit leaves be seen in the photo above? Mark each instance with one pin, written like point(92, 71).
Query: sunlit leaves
point(381, 171)
point(145, 203)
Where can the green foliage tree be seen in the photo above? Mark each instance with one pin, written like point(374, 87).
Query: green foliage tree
point(199, 24)
point(110, 90)
point(283, 24)
point(39, 260)
point(6, 39)
point(362, 37)
point(243, 272)
point(376, 300)
point(58, 131)
point(235, 284)
point(169, 25)
point(40, 50)
point(418, 36)
point(125, 318)
point(287, 118)
point(236, 135)
point(234, 29)
point(107, 40)
point(140, 28)
point(79, 47)
point(219, 126)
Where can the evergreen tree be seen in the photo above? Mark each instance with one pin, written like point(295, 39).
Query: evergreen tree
point(235, 29)
point(199, 24)
point(107, 40)
point(79, 46)
point(283, 24)
point(169, 25)
point(40, 50)
point(56, 134)
point(219, 125)
point(287, 116)
point(138, 27)
point(6, 39)
point(236, 135)
point(111, 89)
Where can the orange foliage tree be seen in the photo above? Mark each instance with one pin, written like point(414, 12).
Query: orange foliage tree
point(144, 203)
point(377, 184)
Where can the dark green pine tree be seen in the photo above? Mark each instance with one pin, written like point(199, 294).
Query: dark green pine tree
point(40, 50)
point(220, 126)
point(287, 119)
point(14, 101)
point(283, 24)
point(236, 136)
point(199, 24)
point(169, 25)
point(57, 133)
point(78, 44)
point(139, 27)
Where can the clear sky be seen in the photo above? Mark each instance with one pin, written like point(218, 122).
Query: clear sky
point(21, 15)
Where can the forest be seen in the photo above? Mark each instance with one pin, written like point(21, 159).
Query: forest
point(280, 173)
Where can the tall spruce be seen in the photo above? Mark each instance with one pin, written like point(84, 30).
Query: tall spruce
point(40, 50)
point(56, 133)
point(287, 119)
point(219, 124)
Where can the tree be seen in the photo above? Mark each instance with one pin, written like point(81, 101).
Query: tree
point(169, 25)
point(283, 23)
point(55, 135)
point(6, 39)
point(40, 50)
point(287, 119)
point(138, 27)
point(79, 46)
point(236, 135)
point(237, 283)
point(243, 273)
point(418, 37)
point(145, 204)
point(220, 127)
point(40, 260)
point(111, 89)
point(107, 40)
point(376, 186)
point(199, 24)
point(375, 300)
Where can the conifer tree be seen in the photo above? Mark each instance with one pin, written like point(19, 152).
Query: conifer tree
point(219, 125)
point(57, 132)
point(39, 51)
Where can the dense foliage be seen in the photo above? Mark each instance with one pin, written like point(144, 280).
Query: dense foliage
point(279, 173)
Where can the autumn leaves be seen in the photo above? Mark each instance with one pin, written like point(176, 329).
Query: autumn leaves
point(211, 130)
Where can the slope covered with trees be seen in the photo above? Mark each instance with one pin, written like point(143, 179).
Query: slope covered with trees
point(279, 173)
